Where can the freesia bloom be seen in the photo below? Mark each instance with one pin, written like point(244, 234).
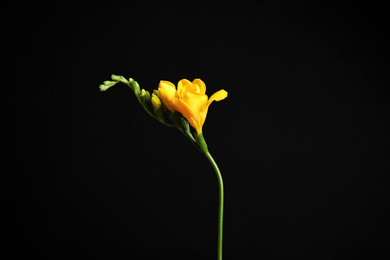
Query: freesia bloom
point(189, 99)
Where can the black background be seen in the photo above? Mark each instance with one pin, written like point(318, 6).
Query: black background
point(302, 139)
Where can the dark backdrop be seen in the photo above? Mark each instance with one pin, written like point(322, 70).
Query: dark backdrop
point(302, 139)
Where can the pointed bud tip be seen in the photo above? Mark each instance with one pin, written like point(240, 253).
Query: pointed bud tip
point(103, 87)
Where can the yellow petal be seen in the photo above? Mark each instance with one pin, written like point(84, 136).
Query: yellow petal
point(168, 87)
point(200, 83)
point(182, 107)
point(180, 86)
point(191, 88)
point(167, 92)
point(164, 83)
point(186, 111)
point(218, 96)
point(196, 102)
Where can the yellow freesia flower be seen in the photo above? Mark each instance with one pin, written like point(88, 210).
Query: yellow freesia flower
point(189, 99)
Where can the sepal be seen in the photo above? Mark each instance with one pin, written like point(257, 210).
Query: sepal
point(176, 119)
point(182, 124)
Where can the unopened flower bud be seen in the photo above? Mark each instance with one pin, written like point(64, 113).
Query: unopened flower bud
point(107, 84)
point(134, 86)
point(119, 79)
point(156, 101)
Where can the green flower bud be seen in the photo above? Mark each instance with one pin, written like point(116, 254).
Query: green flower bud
point(144, 97)
point(134, 86)
point(119, 79)
point(107, 84)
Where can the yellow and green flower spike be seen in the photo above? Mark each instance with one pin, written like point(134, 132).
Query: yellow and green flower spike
point(187, 105)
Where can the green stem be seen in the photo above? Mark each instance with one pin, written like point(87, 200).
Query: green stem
point(203, 147)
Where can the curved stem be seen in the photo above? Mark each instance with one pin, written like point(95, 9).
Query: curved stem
point(221, 197)
point(203, 147)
